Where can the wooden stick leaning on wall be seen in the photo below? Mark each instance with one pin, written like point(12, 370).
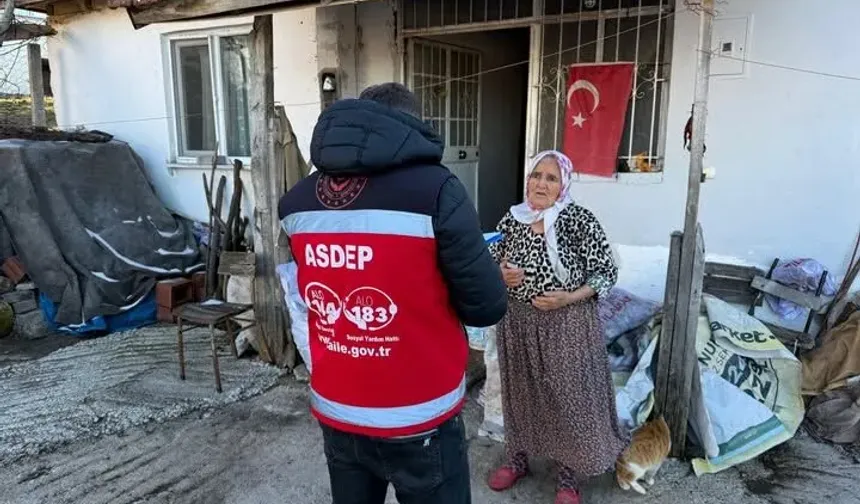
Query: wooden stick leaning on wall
point(268, 306)
point(216, 233)
point(208, 187)
point(224, 235)
point(232, 237)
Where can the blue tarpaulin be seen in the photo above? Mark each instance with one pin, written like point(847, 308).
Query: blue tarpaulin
point(141, 314)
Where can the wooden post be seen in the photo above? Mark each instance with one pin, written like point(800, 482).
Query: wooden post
point(267, 301)
point(667, 330)
point(37, 88)
point(677, 356)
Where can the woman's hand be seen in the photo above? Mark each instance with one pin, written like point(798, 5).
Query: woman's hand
point(513, 276)
point(553, 300)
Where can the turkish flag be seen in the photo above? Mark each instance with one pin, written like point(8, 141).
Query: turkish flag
point(596, 106)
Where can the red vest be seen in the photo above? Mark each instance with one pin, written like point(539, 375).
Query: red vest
point(388, 352)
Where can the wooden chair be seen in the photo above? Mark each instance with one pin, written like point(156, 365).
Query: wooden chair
point(216, 314)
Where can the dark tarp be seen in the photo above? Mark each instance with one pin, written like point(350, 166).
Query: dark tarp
point(87, 225)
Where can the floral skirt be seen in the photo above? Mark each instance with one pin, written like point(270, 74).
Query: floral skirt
point(557, 391)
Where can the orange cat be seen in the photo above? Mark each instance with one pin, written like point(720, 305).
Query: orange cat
point(641, 460)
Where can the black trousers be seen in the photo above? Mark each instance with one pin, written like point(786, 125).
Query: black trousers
point(428, 469)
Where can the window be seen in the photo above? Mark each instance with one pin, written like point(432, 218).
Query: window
point(643, 38)
point(577, 32)
point(446, 81)
point(209, 89)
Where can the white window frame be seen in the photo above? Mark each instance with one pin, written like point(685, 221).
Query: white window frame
point(213, 38)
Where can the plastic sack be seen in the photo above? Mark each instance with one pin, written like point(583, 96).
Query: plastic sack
point(835, 415)
point(477, 337)
point(634, 394)
point(298, 310)
point(493, 237)
point(627, 350)
point(747, 399)
point(493, 425)
point(803, 275)
point(620, 312)
point(240, 290)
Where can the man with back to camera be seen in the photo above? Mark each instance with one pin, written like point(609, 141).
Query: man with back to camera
point(391, 262)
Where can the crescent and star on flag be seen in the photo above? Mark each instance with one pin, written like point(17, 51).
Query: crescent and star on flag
point(582, 84)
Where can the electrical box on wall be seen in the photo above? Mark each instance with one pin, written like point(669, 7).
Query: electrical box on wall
point(729, 46)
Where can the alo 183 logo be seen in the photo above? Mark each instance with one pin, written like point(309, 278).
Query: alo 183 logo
point(369, 308)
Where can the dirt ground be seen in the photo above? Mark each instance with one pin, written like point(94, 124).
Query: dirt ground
point(268, 449)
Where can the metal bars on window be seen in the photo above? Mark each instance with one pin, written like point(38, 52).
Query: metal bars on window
point(446, 81)
point(420, 14)
point(576, 31)
point(640, 35)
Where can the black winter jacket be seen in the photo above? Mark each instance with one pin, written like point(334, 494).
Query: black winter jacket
point(401, 157)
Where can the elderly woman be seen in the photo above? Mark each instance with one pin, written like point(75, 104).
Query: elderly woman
point(556, 386)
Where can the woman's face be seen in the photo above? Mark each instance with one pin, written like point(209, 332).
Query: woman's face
point(544, 184)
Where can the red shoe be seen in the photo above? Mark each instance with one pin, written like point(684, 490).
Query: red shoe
point(504, 478)
point(567, 496)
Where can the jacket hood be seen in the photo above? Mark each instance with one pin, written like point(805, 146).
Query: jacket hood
point(354, 137)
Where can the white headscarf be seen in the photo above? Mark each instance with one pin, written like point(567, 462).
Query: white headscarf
point(527, 215)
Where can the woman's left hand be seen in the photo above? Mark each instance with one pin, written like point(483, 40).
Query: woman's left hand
point(552, 300)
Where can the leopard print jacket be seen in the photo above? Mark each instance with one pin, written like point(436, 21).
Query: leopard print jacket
point(583, 248)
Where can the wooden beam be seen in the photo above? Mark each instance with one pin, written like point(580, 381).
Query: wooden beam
point(731, 282)
point(684, 365)
point(26, 31)
point(284, 164)
point(237, 264)
point(29, 4)
point(805, 299)
point(792, 339)
point(37, 87)
point(730, 290)
point(268, 307)
point(732, 271)
point(178, 10)
point(667, 329)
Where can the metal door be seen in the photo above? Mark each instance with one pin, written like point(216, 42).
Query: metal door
point(447, 81)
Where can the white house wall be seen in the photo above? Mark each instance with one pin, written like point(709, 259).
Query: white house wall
point(108, 76)
point(784, 144)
